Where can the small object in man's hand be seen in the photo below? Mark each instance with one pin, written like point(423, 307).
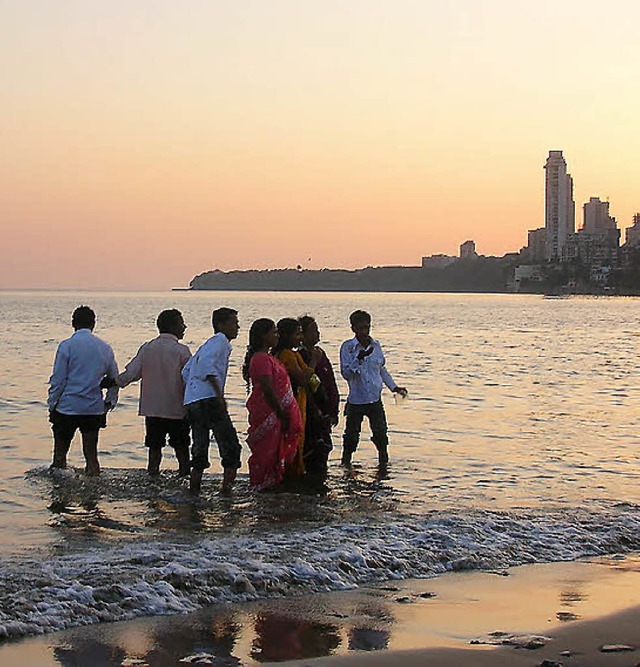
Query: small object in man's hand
point(107, 382)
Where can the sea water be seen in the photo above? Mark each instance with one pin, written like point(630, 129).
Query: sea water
point(518, 443)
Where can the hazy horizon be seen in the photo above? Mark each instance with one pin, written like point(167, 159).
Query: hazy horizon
point(145, 143)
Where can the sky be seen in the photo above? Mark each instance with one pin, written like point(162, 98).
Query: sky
point(142, 143)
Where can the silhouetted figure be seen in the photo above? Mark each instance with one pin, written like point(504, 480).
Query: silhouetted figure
point(275, 424)
point(205, 375)
point(362, 365)
point(303, 382)
point(75, 396)
point(158, 365)
point(322, 406)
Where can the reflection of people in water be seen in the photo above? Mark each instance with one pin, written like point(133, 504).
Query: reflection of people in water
point(286, 638)
point(85, 652)
point(368, 639)
point(165, 642)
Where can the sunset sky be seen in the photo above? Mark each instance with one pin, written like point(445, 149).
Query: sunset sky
point(145, 141)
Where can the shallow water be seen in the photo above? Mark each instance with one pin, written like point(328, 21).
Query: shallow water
point(518, 443)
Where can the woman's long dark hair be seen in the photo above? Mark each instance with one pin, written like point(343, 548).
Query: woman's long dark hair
point(286, 328)
point(257, 332)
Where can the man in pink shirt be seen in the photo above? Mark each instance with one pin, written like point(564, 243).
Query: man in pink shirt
point(158, 364)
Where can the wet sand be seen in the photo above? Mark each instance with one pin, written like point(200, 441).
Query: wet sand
point(576, 607)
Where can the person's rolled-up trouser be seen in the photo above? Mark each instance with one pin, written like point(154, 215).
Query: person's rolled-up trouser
point(377, 420)
point(208, 416)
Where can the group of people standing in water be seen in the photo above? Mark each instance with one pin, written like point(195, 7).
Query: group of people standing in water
point(293, 401)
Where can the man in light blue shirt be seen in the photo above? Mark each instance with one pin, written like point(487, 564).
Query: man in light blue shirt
point(75, 398)
point(362, 365)
point(205, 375)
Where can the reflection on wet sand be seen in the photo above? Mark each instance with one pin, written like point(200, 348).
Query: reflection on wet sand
point(271, 631)
point(446, 611)
point(279, 637)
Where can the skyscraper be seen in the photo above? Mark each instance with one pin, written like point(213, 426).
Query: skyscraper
point(560, 209)
point(596, 217)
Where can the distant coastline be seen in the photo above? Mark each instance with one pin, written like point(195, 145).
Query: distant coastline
point(480, 274)
point(473, 275)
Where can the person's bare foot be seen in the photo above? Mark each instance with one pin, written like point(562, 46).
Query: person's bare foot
point(92, 470)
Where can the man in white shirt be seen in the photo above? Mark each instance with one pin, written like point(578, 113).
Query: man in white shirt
point(205, 375)
point(75, 398)
point(362, 365)
point(158, 364)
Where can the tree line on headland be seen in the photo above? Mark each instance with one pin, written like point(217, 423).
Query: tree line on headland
point(479, 274)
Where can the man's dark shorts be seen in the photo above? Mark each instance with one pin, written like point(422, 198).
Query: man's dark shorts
point(66, 425)
point(158, 428)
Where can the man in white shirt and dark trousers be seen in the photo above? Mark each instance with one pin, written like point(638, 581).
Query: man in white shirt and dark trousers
point(158, 364)
point(362, 365)
point(205, 375)
point(75, 397)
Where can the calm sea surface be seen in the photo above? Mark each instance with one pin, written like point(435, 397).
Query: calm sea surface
point(518, 443)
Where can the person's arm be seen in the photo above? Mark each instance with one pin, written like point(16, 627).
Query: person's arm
point(349, 363)
point(132, 371)
point(184, 361)
point(216, 356)
point(298, 371)
point(266, 384)
point(58, 379)
point(111, 397)
point(213, 381)
point(186, 369)
point(388, 380)
point(331, 388)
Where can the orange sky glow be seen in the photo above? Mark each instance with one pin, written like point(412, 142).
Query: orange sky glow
point(145, 142)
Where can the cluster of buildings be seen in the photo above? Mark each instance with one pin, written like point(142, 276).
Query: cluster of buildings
point(591, 254)
point(467, 251)
point(557, 256)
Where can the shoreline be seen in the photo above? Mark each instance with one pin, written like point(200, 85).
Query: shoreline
point(576, 606)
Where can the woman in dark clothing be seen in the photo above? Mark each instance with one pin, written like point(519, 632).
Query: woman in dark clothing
point(322, 405)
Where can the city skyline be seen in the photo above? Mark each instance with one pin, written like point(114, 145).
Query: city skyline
point(144, 144)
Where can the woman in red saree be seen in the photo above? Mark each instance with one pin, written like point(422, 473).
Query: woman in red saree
point(275, 425)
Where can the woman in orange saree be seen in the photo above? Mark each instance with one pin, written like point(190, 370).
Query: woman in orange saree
point(275, 424)
point(303, 380)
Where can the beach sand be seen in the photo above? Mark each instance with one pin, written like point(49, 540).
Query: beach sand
point(576, 607)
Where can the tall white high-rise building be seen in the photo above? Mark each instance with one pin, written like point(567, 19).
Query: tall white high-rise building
point(560, 209)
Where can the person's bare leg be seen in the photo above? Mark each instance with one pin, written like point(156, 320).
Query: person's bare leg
point(61, 446)
point(90, 451)
point(184, 461)
point(155, 457)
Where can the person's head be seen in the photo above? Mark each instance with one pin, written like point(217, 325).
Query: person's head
point(171, 322)
point(310, 331)
point(290, 333)
point(361, 325)
point(263, 336)
point(225, 320)
point(83, 318)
